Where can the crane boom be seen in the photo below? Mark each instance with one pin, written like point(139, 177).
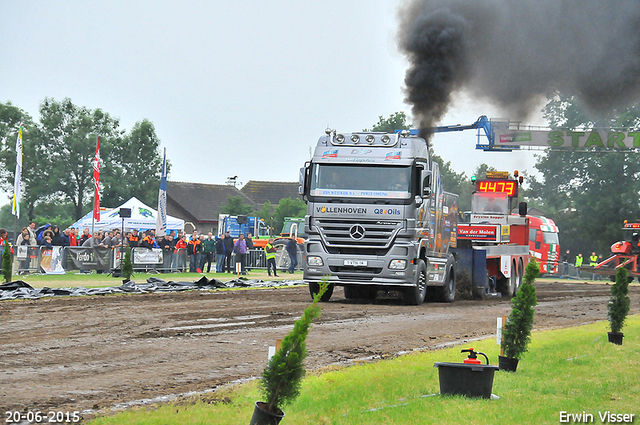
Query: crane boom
point(505, 135)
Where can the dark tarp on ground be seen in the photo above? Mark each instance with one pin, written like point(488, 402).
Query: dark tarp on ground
point(22, 290)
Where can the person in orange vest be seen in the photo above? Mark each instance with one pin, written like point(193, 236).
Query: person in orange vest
point(194, 248)
point(147, 241)
point(134, 238)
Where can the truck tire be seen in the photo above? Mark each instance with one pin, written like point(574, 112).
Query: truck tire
point(416, 294)
point(314, 288)
point(447, 292)
point(520, 274)
point(509, 286)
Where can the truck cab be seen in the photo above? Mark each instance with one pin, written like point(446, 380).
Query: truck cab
point(377, 217)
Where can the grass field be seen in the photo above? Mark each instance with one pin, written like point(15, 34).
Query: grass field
point(574, 370)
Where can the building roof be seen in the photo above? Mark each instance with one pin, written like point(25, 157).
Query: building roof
point(203, 201)
point(262, 191)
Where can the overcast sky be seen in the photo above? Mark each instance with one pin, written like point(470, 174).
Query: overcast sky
point(233, 88)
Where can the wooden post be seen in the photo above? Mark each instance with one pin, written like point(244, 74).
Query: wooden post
point(504, 322)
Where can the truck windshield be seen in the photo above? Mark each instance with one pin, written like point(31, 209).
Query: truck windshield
point(490, 203)
point(550, 238)
point(360, 181)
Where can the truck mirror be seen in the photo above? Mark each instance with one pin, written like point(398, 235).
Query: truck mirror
point(426, 186)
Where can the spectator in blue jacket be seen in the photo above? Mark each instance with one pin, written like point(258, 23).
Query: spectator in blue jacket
point(292, 250)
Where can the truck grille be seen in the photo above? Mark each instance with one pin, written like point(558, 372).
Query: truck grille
point(361, 234)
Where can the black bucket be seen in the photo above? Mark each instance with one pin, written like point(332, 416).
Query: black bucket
point(262, 417)
point(615, 337)
point(507, 364)
point(471, 380)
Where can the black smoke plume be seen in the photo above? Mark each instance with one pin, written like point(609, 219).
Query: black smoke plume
point(513, 53)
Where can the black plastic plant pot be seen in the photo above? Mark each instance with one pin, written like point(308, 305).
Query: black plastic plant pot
point(470, 380)
point(262, 417)
point(507, 364)
point(615, 337)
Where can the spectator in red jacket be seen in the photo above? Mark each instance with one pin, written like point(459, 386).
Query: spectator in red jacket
point(178, 253)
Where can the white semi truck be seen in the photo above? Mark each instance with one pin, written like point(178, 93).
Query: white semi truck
point(378, 218)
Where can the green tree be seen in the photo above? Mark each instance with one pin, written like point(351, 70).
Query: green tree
point(517, 331)
point(619, 303)
point(396, 121)
point(588, 193)
point(266, 213)
point(287, 207)
point(134, 167)
point(59, 152)
point(69, 135)
point(34, 189)
point(282, 378)
point(236, 206)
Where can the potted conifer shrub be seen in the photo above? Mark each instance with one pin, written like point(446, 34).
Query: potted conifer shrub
point(6, 262)
point(517, 331)
point(282, 377)
point(618, 307)
point(127, 266)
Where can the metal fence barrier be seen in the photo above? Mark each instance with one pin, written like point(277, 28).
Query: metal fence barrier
point(39, 259)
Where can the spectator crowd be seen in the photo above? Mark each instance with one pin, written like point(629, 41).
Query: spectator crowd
point(201, 250)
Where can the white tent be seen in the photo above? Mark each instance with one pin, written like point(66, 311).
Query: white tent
point(142, 217)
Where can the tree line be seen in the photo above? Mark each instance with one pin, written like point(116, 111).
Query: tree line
point(58, 152)
point(587, 193)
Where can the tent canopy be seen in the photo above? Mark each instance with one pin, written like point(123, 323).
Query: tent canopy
point(142, 217)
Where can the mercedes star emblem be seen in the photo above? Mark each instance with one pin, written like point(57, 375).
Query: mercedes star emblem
point(356, 232)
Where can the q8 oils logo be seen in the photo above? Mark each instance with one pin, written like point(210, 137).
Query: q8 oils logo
point(386, 211)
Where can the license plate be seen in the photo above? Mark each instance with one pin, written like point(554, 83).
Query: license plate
point(356, 263)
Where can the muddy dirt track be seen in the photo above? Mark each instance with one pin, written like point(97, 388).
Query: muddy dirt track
point(95, 353)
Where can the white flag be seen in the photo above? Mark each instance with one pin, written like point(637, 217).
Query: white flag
point(161, 222)
point(15, 209)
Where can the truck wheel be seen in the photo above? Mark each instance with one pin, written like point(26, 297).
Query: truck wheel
point(447, 293)
point(415, 295)
point(314, 288)
point(513, 285)
point(520, 274)
point(508, 286)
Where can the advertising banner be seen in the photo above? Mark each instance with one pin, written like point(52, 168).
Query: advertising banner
point(486, 233)
point(51, 260)
point(147, 256)
point(84, 258)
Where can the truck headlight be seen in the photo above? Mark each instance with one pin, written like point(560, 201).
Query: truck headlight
point(314, 261)
point(398, 264)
